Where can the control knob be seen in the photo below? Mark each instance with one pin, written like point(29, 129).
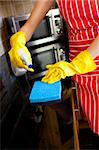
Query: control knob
point(58, 30)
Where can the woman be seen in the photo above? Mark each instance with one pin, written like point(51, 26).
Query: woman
point(82, 18)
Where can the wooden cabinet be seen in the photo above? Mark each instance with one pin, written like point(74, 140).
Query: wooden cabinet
point(75, 123)
point(50, 136)
point(50, 133)
point(78, 122)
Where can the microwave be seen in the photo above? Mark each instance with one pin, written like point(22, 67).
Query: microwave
point(43, 56)
point(48, 43)
point(50, 29)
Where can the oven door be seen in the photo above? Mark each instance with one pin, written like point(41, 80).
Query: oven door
point(42, 57)
point(43, 30)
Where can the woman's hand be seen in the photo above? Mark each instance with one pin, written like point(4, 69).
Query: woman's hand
point(19, 55)
point(81, 64)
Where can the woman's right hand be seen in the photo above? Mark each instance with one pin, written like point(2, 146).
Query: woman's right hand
point(19, 55)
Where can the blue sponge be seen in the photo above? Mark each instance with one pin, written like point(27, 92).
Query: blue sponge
point(45, 93)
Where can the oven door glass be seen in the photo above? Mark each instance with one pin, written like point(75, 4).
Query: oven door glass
point(40, 60)
point(43, 30)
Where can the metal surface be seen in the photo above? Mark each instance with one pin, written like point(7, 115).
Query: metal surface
point(55, 25)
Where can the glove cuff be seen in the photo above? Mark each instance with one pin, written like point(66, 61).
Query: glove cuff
point(83, 63)
point(19, 37)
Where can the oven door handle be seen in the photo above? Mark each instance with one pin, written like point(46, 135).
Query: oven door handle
point(51, 24)
point(56, 54)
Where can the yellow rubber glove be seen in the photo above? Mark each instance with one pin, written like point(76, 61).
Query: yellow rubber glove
point(81, 64)
point(19, 55)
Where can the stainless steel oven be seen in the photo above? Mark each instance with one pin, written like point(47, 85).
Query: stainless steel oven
point(47, 44)
point(49, 29)
point(43, 56)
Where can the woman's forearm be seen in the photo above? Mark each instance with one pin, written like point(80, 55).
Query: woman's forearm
point(39, 11)
point(93, 49)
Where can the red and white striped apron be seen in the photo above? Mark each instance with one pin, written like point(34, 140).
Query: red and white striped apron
point(82, 17)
